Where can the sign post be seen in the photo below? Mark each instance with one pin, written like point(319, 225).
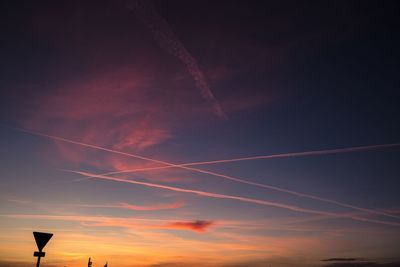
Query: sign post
point(41, 241)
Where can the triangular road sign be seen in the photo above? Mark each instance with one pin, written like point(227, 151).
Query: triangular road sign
point(41, 239)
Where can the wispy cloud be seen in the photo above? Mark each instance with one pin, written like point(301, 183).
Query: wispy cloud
point(127, 206)
point(20, 201)
point(168, 40)
point(199, 226)
point(342, 259)
point(114, 108)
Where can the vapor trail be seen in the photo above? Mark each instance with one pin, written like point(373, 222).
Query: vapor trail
point(127, 206)
point(273, 156)
point(238, 198)
point(168, 40)
point(283, 190)
point(291, 192)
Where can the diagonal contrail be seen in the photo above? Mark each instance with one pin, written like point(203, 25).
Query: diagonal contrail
point(273, 156)
point(168, 40)
point(238, 198)
point(280, 189)
point(291, 192)
point(283, 190)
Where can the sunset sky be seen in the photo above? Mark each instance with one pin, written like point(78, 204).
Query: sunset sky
point(200, 133)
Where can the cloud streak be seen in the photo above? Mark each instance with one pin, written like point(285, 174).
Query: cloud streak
point(168, 40)
point(199, 226)
point(275, 188)
point(342, 259)
point(238, 198)
point(273, 156)
point(127, 206)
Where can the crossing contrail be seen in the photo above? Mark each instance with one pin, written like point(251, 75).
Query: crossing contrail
point(168, 40)
point(238, 198)
point(279, 189)
point(273, 156)
point(291, 192)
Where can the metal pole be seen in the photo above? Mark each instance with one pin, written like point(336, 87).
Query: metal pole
point(38, 261)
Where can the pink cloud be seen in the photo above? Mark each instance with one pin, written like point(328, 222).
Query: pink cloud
point(165, 176)
point(128, 206)
point(197, 226)
point(118, 109)
point(174, 205)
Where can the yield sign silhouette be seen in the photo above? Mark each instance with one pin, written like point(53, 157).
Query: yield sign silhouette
point(41, 239)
